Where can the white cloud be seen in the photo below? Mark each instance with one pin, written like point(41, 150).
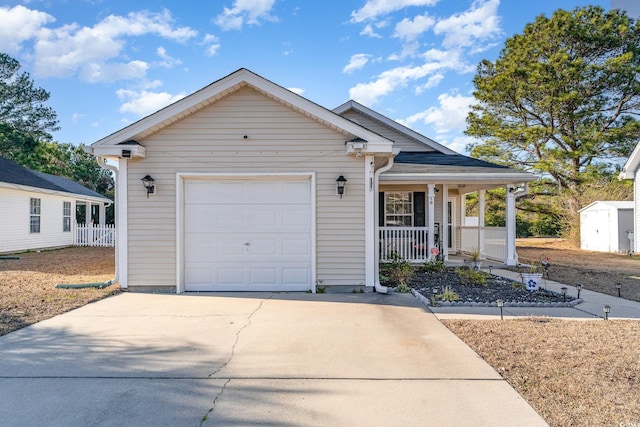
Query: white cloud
point(167, 60)
point(356, 62)
point(248, 12)
point(144, 102)
point(69, 49)
point(111, 72)
point(432, 82)
point(370, 32)
point(410, 30)
point(212, 44)
point(476, 25)
point(297, 90)
point(77, 117)
point(20, 24)
point(399, 77)
point(376, 8)
point(450, 116)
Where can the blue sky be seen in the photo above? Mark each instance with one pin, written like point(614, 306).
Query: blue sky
point(109, 63)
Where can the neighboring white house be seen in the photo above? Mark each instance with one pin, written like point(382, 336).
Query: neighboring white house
point(38, 210)
point(605, 226)
point(245, 185)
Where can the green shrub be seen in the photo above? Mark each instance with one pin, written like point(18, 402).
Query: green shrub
point(434, 266)
point(399, 271)
point(448, 295)
point(469, 276)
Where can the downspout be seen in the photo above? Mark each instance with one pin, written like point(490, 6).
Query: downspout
point(97, 285)
point(378, 287)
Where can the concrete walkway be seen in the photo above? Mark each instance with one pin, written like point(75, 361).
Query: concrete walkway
point(591, 308)
point(250, 359)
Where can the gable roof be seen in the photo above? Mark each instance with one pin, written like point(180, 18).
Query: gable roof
point(13, 173)
point(630, 167)
point(612, 204)
point(219, 89)
point(355, 106)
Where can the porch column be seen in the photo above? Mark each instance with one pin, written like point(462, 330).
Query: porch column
point(444, 229)
point(87, 213)
point(512, 258)
point(102, 214)
point(481, 196)
point(431, 195)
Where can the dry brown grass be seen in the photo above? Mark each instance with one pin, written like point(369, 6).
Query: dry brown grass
point(574, 373)
point(27, 292)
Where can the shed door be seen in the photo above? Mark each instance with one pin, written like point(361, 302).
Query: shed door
point(247, 235)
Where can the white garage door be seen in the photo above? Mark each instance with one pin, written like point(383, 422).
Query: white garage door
point(247, 235)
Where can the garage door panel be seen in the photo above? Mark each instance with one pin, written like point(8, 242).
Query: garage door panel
point(247, 235)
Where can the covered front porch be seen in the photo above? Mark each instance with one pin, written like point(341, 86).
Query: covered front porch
point(422, 212)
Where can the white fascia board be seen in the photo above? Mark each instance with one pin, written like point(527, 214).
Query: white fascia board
point(115, 151)
point(505, 178)
point(64, 194)
point(204, 96)
point(630, 167)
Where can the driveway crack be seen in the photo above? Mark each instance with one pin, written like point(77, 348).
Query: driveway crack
point(233, 348)
point(215, 399)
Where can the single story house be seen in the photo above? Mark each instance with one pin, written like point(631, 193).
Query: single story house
point(245, 185)
point(39, 210)
point(605, 226)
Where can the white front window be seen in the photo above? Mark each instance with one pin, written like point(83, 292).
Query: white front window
point(34, 211)
point(398, 208)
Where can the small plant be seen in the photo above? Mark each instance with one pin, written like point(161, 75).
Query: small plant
point(469, 276)
point(399, 270)
point(475, 255)
point(321, 289)
point(434, 266)
point(402, 288)
point(448, 295)
point(517, 285)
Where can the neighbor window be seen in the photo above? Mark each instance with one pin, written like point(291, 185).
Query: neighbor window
point(34, 210)
point(66, 216)
point(398, 206)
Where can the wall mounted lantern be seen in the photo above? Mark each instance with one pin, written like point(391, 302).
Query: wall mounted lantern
point(149, 185)
point(340, 182)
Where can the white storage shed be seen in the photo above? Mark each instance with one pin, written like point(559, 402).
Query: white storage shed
point(606, 226)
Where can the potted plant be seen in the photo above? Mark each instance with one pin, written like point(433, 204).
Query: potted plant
point(474, 256)
point(532, 277)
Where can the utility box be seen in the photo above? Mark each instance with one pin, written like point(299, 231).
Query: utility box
point(605, 226)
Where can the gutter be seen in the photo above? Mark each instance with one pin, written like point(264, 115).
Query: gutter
point(378, 287)
point(98, 285)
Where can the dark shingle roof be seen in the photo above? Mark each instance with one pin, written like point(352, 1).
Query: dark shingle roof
point(441, 159)
point(13, 173)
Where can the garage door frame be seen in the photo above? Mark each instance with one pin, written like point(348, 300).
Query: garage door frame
point(181, 177)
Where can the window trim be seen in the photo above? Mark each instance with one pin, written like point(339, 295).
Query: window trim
point(66, 217)
point(406, 203)
point(35, 212)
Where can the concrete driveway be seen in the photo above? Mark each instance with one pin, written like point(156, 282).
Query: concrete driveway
point(140, 359)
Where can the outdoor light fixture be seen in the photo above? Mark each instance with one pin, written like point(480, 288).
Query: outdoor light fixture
point(340, 182)
point(579, 288)
point(618, 287)
point(606, 309)
point(563, 290)
point(490, 268)
point(149, 185)
point(500, 305)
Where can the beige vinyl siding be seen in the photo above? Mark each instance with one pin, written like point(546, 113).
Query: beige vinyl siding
point(400, 140)
point(14, 227)
point(279, 140)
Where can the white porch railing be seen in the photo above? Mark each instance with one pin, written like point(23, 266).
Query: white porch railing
point(495, 241)
point(95, 235)
point(409, 243)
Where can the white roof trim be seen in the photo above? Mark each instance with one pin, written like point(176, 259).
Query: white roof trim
point(612, 204)
point(630, 167)
point(459, 177)
point(230, 83)
point(37, 190)
point(353, 105)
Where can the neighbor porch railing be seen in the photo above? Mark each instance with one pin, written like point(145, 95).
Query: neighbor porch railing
point(495, 241)
point(95, 235)
point(408, 243)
